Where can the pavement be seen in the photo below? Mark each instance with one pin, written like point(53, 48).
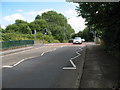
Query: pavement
point(9, 51)
point(101, 70)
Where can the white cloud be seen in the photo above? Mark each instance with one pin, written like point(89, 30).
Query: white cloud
point(20, 10)
point(33, 0)
point(77, 23)
point(71, 12)
point(37, 12)
point(13, 17)
point(30, 16)
point(74, 4)
point(3, 26)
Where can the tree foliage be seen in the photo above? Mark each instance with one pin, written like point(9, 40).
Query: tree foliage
point(38, 17)
point(19, 26)
point(86, 34)
point(53, 17)
point(104, 17)
point(38, 25)
point(55, 23)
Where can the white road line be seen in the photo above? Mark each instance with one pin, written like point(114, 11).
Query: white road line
point(69, 68)
point(8, 66)
point(54, 49)
point(26, 59)
point(23, 60)
point(18, 62)
point(48, 51)
point(42, 53)
point(74, 66)
point(80, 49)
point(21, 52)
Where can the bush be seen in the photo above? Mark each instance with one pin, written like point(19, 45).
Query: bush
point(39, 36)
point(44, 41)
point(55, 41)
point(48, 38)
point(1, 37)
point(13, 36)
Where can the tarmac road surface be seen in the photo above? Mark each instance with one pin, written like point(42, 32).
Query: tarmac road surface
point(51, 66)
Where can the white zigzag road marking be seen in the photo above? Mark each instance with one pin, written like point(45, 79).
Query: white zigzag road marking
point(74, 66)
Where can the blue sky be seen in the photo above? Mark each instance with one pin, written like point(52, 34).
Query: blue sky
point(28, 10)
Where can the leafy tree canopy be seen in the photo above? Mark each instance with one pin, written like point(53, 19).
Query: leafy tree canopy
point(55, 23)
point(105, 19)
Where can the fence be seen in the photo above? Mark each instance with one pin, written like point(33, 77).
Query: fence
point(13, 44)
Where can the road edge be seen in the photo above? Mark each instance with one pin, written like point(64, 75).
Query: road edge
point(7, 52)
point(81, 67)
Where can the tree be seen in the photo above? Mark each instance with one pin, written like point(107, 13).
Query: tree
point(38, 25)
point(104, 17)
point(86, 34)
point(54, 18)
point(38, 17)
point(69, 31)
point(17, 22)
point(2, 30)
point(57, 31)
point(12, 28)
point(20, 26)
point(57, 25)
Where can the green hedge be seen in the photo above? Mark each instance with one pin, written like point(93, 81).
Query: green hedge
point(15, 36)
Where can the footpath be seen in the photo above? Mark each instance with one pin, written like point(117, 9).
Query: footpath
point(101, 70)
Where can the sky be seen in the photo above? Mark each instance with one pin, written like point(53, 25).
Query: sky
point(27, 11)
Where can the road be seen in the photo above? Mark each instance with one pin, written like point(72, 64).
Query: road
point(49, 66)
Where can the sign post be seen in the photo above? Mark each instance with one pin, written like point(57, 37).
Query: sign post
point(34, 35)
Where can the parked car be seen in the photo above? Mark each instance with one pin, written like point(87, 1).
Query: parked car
point(77, 40)
point(70, 40)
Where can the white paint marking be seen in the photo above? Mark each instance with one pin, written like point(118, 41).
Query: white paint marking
point(80, 49)
point(22, 51)
point(48, 51)
point(74, 66)
point(54, 49)
point(18, 62)
point(69, 68)
point(42, 53)
point(26, 59)
point(23, 60)
point(7, 66)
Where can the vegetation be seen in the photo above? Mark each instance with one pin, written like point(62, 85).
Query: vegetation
point(57, 28)
point(105, 19)
point(86, 34)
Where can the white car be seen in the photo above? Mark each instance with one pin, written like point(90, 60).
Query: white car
point(83, 40)
point(77, 40)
